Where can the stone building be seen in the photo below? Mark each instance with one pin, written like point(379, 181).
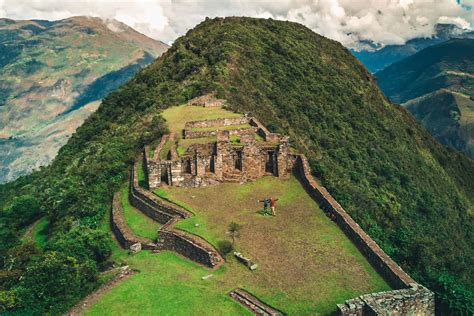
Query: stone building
point(237, 155)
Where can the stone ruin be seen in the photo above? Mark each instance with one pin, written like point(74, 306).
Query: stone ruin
point(241, 154)
point(238, 154)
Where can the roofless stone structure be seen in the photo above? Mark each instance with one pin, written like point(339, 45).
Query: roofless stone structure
point(238, 154)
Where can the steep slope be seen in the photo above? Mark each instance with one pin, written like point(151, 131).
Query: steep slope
point(437, 87)
point(53, 75)
point(413, 196)
point(377, 59)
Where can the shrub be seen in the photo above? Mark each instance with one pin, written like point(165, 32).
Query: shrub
point(225, 247)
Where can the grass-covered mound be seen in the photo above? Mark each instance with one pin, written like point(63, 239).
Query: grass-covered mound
point(409, 193)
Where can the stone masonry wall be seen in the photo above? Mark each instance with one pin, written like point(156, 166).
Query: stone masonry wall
point(238, 131)
point(167, 213)
point(217, 122)
point(416, 300)
point(411, 299)
point(121, 230)
point(188, 247)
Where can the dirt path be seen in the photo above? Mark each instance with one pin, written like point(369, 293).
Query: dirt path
point(82, 306)
point(29, 232)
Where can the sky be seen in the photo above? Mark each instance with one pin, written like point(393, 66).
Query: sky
point(350, 22)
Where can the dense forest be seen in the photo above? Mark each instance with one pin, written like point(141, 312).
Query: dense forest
point(413, 196)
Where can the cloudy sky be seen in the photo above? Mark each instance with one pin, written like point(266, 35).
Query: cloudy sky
point(348, 21)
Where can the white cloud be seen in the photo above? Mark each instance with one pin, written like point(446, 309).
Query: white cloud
point(348, 21)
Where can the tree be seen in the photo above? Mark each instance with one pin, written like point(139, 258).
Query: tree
point(234, 230)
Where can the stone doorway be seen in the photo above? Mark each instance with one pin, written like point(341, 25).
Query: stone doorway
point(238, 160)
point(164, 174)
point(270, 163)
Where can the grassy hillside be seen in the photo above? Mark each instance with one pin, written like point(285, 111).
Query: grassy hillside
point(409, 193)
point(437, 87)
point(53, 75)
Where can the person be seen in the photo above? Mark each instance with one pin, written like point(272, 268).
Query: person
point(272, 205)
point(266, 204)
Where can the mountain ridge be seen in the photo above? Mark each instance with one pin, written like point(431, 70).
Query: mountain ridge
point(410, 194)
point(57, 67)
point(437, 86)
point(376, 59)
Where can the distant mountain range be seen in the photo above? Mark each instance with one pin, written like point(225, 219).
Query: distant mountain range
point(53, 75)
point(437, 86)
point(376, 58)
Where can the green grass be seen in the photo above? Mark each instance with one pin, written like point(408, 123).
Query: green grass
point(141, 174)
point(39, 234)
point(166, 148)
point(168, 285)
point(177, 116)
point(138, 222)
point(306, 263)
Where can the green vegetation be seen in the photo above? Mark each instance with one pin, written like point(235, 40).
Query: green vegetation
point(289, 277)
point(54, 77)
point(299, 252)
point(141, 174)
point(39, 233)
point(168, 285)
point(408, 192)
point(139, 223)
point(437, 86)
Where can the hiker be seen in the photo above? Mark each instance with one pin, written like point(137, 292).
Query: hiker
point(272, 205)
point(266, 204)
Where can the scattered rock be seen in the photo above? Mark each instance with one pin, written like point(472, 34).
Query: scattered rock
point(196, 225)
point(247, 261)
point(207, 276)
point(135, 248)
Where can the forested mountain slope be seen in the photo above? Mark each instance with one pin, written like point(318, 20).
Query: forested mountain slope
point(407, 191)
point(53, 76)
point(379, 59)
point(437, 86)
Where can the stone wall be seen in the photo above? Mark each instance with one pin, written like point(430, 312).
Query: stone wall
point(253, 304)
point(416, 300)
point(379, 259)
point(237, 131)
point(217, 122)
point(158, 205)
point(263, 131)
point(188, 247)
point(410, 299)
point(122, 232)
point(207, 100)
point(168, 214)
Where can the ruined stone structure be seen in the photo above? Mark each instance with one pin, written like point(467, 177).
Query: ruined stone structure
point(256, 153)
point(166, 213)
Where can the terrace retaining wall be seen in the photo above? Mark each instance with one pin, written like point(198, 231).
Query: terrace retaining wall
point(121, 230)
point(167, 213)
point(188, 133)
point(410, 299)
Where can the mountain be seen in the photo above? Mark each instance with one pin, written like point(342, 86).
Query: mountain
point(437, 86)
point(376, 58)
point(412, 195)
point(53, 76)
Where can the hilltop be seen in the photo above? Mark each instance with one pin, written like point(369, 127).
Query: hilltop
point(412, 195)
point(54, 74)
point(437, 86)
